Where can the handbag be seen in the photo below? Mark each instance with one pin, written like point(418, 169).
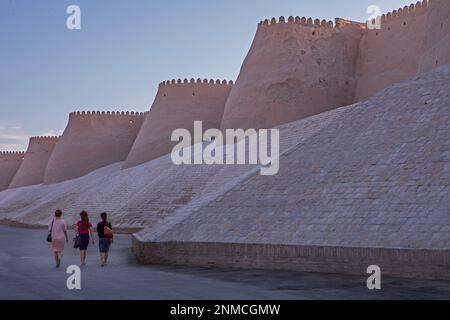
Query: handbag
point(108, 233)
point(77, 242)
point(49, 236)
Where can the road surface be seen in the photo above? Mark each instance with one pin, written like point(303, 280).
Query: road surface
point(27, 272)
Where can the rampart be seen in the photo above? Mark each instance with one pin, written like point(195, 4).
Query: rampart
point(178, 104)
point(299, 67)
point(9, 164)
point(92, 140)
point(296, 68)
point(391, 54)
point(32, 169)
point(360, 185)
point(436, 47)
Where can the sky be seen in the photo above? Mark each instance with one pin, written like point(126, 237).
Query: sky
point(124, 49)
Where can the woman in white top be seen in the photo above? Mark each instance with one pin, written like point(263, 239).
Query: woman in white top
point(58, 230)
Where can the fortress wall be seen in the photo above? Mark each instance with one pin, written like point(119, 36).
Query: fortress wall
point(294, 69)
point(402, 263)
point(391, 54)
point(9, 164)
point(376, 176)
point(92, 140)
point(177, 105)
point(331, 208)
point(32, 169)
point(157, 194)
point(436, 47)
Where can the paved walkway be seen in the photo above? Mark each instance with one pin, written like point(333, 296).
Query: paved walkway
point(27, 272)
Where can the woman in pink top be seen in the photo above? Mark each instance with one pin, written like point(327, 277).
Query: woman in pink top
point(84, 229)
point(58, 230)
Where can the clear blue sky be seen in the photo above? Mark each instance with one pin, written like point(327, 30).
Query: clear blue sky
point(124, 49)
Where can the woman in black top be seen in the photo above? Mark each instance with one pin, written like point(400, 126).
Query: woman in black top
point(105, 240)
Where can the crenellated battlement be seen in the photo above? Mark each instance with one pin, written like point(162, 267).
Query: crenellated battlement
point(44, 139)
point(106, 114)
point(199, 81)
point(310, 22)
point(419, 8)
point(414, 9)
point(13, 155)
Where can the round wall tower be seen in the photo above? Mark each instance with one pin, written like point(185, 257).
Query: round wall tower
point(9, 164)
point(32, 169)
point(177, 105)
point(92, 140)
point(296, 68)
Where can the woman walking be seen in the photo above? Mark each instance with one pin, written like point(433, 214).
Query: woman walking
point(58, 236)
point(105, 236)
point(84, 228)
